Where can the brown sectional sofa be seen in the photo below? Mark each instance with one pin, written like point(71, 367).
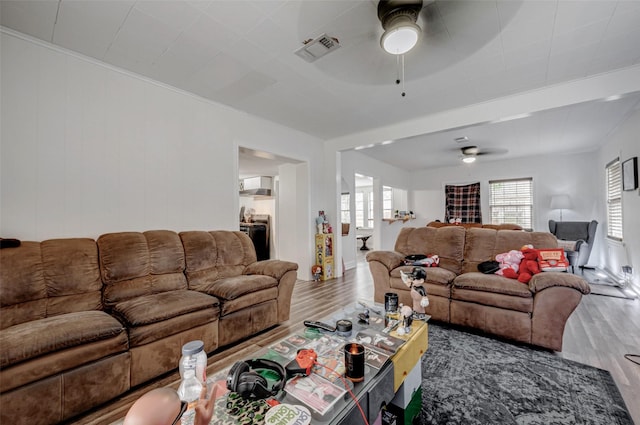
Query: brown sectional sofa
point(83, 321)
point(535, 313)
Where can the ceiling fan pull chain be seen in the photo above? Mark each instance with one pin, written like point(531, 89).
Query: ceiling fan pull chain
point(403, 92)
point(397, 69)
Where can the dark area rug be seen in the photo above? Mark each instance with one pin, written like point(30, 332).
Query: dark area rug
point(474, 379)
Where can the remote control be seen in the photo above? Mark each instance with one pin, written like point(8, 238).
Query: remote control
point(319, 325)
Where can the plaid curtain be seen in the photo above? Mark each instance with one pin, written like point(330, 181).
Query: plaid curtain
point(463, 202)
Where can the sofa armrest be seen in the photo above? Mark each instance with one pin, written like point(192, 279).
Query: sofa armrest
point(545, 280)
point(389, 259)
point(273, 268)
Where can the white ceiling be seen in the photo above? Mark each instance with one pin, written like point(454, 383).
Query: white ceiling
point(252, 163)
point(241, 53)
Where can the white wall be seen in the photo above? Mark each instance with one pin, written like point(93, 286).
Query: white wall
point(384, 234)
point(623, 144)
point(88, 149)
point(560, 174)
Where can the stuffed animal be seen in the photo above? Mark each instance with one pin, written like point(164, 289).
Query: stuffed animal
point(316, 271)
point(529, 264)
point(509, 263)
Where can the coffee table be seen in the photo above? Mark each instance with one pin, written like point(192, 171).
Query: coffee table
point(376, 390)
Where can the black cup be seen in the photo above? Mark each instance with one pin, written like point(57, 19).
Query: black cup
point(390, 302)
point(354, 361)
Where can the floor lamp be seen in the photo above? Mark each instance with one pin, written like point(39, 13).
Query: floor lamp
point(560, 202)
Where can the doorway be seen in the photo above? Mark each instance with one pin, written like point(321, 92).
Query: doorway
point(364, 214)
point(261, 176)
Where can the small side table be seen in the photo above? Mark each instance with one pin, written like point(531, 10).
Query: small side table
point(364, 239)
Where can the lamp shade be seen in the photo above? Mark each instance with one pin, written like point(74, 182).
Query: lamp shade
point(560, 202)
point(400, 38)
point(398, 18)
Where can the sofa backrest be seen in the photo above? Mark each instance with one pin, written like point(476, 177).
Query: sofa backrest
point(447, 242)
point(483, 244)
point(502, 226)
point(134, 264)
point(214, 255)
point(48, 278)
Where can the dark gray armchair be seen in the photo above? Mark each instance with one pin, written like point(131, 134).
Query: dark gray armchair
point(580, 232)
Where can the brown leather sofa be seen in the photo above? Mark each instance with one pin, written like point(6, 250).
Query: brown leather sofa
point(501, 226)
point(83, 321)
point(533, 313)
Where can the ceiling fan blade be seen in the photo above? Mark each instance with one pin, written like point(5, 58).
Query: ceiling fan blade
point(493, 151)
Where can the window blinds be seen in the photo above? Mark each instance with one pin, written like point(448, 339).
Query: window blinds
point(614, 199)
point(511, 201)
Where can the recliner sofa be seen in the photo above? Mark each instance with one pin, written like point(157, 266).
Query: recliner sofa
point(83, 321)
point(533, 313)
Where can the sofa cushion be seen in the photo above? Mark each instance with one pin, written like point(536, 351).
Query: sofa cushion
point(493, 299)
point(251, 299)
point(155, 308)
point(180, 326)
point(39, 337)
point(506, 240)
point(41, 279)
point(432, 289)
point(53, 365)
point(483, 244)
point(435, 275)
point(134, 264)
point(492, 290)
point(447, 242)
point(478, 248)
point(481, 282)
point(230, 288)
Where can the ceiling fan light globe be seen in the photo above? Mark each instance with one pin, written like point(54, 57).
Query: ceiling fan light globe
point(399, 39)
point(469, 159)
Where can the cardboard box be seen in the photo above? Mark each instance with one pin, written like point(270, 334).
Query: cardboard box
point(410, 385)
point(410, 353)
point(407, 415)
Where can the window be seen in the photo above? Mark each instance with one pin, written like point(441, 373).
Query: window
point(370, 211)
point(359, 209)
point(614, 199)
point(387, 202)
point(345, 209)
point(511, 201)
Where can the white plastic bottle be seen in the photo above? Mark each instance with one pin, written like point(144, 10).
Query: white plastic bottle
point(189, 391)
point(194, 357)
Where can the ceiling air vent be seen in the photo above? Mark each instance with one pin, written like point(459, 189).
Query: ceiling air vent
point(317, 48)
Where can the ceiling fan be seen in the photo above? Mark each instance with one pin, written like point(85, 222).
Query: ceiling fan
point(366, 32)
point(471, 152)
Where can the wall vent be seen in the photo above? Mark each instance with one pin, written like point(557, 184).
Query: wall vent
point(317, 48)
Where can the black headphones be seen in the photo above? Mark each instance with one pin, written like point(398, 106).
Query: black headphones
point(244, 380)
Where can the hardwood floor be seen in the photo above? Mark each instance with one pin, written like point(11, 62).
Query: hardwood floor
point(599, 333)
